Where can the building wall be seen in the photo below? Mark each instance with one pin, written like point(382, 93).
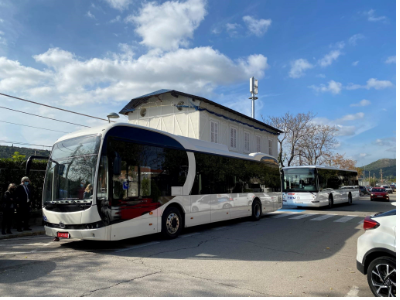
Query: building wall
point(162, 114)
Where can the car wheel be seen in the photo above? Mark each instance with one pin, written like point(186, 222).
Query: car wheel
point(195, 209)
point(381, 275)
point(256, 211)
point(226, 206)
point(171, 223)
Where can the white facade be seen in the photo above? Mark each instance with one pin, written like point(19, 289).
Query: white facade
point(202, 120)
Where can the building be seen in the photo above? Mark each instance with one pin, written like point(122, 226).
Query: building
point(199, 118)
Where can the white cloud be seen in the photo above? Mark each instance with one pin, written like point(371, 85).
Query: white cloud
point(120, 78)
point(321, 75)
point(390, 141)
point(257, 27)
point(119, 4)
point(371, 16)
point(231, 28)
point(332, 86)
point(372, 83)
point(169, 25)
point(362, 155)
point(363, 102)
point(391, 60)
point(355, 63)
point(90, 15)
point(329, 58)
point(116, 19)
point(353, 117)
point(298, 68)
point(353, 39)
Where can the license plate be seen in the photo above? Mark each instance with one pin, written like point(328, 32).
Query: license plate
point(299, 202)
point(380, 196)
point(64, 235)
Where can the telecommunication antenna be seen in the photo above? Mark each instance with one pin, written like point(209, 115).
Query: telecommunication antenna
point(253, 91)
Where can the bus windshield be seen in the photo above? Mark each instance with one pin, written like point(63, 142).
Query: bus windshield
point(71, 169)
point(299, 180)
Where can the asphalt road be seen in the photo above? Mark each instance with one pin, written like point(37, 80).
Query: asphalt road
point(289, 253)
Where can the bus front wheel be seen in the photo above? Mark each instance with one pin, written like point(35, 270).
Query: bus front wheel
point(171, 223)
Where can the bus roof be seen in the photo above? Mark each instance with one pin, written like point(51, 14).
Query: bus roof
point(317, 167)
point(188, 143)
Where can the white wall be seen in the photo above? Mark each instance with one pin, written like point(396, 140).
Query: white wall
point(161, 114)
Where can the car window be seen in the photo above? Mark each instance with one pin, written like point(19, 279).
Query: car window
point(378, 190)
point(386, 214)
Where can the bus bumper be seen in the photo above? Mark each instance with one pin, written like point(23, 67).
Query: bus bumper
point(314, 203)
point(99, 234)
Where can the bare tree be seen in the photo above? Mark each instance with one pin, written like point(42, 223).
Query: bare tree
point(315, 147)
point(295, 129)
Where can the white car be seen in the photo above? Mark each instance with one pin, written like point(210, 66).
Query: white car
point(387, 188)
point(376, 253)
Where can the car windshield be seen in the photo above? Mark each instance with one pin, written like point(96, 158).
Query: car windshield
point(379, 190)
point(71, 169)
point(299, 180)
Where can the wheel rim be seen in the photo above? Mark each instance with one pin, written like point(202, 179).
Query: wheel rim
point(257, 210)
point(383, 279)
point(172, 223)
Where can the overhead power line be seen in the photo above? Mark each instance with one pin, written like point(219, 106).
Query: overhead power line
point(22, 143)
point(33, 126)
point(65, 110)
point(43, 117)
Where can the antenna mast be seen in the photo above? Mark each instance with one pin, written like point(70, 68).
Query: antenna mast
point(253, 91)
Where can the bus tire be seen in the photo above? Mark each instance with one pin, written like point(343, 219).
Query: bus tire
point(349, 199)
point(330, 201)
point(172, 223)
point(256, 210)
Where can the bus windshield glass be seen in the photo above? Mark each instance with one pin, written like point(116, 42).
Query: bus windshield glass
point(71, 169)
point(299, 180)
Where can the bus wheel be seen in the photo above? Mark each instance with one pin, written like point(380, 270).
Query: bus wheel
point(349, 199)
point(171, 223)
point(330, 201)
point(256, 215)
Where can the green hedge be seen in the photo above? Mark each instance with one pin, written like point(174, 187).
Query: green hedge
point(11, 171)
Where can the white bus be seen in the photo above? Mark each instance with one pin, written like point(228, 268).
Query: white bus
point(122, 180)
point(316, 186)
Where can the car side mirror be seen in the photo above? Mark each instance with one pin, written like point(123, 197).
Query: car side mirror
point(117, 164)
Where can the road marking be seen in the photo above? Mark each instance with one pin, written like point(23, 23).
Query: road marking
point(282, 215)
point(344, 219)
point(138, 246)
point(302, 216)
point(291, 210)
point(353, 292)
point(361, 222)
point(323, 217)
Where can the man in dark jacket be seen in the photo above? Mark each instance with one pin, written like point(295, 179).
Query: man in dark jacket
point(8, 205)
point(24, 201)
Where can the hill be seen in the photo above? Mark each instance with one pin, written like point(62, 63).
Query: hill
point(387, 165)
point(8, 151)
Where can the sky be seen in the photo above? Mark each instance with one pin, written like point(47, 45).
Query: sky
point(336, 59)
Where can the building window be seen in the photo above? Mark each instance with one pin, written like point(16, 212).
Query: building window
point(246, 141)
point(233, 137)
point(258, 144)
point(214, 132)
point(270, 147)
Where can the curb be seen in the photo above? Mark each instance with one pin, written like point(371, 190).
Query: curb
point(22, 234)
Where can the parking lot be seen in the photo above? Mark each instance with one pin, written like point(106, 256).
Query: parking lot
point(292, 252)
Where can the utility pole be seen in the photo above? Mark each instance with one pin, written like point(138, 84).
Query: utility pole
point(381, 176)
point(253, 91)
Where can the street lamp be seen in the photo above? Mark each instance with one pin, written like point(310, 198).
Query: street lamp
point(112, 115)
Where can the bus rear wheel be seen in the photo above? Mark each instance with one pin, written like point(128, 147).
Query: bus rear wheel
point(171, 223)
point(256, 210)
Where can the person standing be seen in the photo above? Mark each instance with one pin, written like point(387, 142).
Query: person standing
point(9, 201)
point(24, 201)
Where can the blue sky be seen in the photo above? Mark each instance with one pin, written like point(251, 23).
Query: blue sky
point(334, 58)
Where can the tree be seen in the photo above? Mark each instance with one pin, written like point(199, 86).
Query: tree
point(18, 157)
point(316, 146)
point(295, 128)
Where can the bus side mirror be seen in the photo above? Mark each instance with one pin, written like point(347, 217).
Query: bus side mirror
point(117, 164)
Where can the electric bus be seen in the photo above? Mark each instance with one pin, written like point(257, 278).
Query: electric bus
point(122, 180)
point(317, 186)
